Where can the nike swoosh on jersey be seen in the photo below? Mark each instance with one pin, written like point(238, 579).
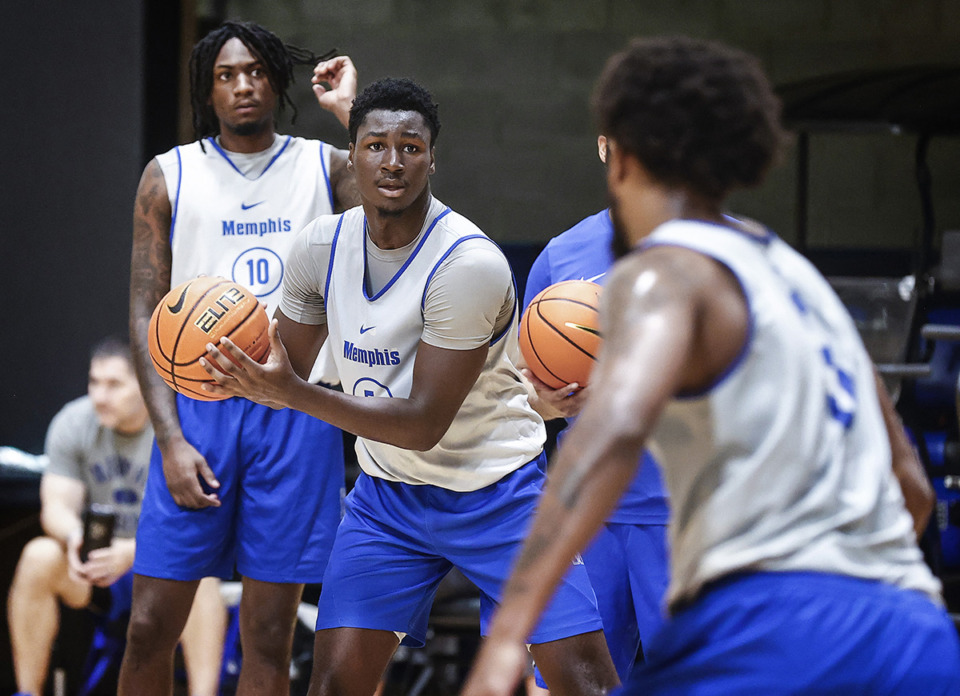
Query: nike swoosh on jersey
point(174, 308)
point(364, 330)
point(596, 277)
point(244, 206)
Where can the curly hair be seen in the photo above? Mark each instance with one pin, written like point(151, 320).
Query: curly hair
point(278, 60)
point(696, 114)
point(394, 94)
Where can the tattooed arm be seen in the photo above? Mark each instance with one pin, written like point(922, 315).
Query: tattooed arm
point(149, 282)
point(659, 307)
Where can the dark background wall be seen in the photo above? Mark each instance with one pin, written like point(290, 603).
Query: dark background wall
point(94, 95)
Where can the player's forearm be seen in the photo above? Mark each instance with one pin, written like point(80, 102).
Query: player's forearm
point(159, 398)
point(399, 422)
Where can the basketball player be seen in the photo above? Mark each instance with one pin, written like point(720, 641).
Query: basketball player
point(233, 484)
point(420, 309)
point(98, 447)
point(794, 562)
point(627, 561)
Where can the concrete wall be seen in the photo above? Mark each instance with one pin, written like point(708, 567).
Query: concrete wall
point(513, 79)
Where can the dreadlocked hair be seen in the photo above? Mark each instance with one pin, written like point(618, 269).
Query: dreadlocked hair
point(278, 60)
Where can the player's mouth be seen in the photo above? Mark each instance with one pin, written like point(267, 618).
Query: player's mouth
point(391, 188)
point(246, 108)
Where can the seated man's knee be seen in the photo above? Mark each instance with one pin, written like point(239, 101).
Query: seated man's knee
point(43, 559)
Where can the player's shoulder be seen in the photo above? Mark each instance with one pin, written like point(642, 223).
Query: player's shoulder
point(596, 229)
point(323, 229)
point(75, 417)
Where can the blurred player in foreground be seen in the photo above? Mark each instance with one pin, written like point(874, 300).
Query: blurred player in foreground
point(794, 562)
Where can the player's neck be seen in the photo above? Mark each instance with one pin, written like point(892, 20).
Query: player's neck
point(393, 230)
point(247, 144)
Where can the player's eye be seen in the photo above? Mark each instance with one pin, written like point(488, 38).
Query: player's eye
point(411, 148)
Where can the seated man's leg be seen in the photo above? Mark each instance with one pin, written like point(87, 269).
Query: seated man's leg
point(202, 639)
point(157, 617)
point(41, 581)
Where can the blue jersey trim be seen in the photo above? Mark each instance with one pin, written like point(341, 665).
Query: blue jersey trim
point(751, 328)
point(326, 176)
point(396, 276)
point(225, 156)
point(333, 253)
point(176, 200)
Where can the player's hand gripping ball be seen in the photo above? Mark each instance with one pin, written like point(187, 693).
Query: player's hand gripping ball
point(198, 312)
point(560, 333)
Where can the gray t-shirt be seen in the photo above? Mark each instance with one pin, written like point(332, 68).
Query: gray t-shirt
point(112, 465)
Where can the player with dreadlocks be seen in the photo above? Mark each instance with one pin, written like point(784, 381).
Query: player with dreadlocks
point(233, 486)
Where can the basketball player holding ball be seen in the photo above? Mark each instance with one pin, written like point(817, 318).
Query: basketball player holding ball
point(420, 308)
point(628, 560)
point(232, 484)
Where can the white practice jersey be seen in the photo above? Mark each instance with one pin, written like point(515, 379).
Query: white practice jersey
point(784, 464)
point(241, 226)
point(374, 340)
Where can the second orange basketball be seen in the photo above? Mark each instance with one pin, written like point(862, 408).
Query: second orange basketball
point(560, 333)
point(198, 312)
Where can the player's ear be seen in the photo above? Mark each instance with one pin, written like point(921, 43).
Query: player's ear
point(433, 162)
point(350, 156)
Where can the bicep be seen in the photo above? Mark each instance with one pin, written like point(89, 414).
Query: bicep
point(151, 256)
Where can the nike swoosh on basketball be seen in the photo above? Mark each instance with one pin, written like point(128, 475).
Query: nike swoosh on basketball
point(244, 206)
point(174, 308)
point(364, 330)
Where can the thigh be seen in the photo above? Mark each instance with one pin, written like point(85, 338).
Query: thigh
point(178, 543)
point(383, 571)
point(290, 495)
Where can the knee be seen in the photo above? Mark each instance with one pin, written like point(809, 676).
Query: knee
point(42, 563)
point(269, 637)
point(151, 630)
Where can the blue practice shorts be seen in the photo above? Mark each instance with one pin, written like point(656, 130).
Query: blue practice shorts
point(804, 633)
point(397, 542)
point(628, 566)
point(281, 491)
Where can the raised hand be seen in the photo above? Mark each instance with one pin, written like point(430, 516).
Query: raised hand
point(340, 76)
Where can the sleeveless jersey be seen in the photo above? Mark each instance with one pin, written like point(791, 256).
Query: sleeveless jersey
point(584, 252)
point(784, 464)
point(241, 227)
point(374, 341)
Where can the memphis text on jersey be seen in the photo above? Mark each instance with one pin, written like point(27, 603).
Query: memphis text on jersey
point(236, 228)
point(370, 357)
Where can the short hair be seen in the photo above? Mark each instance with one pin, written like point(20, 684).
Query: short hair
point(278, 60)
point(695, 113)
point(112, 347)
point(394, 94)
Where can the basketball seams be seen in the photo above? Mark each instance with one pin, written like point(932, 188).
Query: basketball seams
point(244, 322)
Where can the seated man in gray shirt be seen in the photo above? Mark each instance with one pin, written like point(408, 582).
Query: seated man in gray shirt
point(99, 450)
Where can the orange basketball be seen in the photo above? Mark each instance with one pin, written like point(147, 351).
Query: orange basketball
point(560, 333)
point(198, 312)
